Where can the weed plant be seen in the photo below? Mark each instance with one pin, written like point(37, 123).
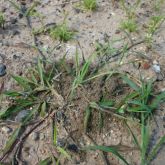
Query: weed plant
point(90, 4)
point(62, 32)
point(140, 103)
point(2, 20)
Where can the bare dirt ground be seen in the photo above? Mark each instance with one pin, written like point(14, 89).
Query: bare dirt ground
point(17, 53)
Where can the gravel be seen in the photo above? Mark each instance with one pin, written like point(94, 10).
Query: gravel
point(2, 70)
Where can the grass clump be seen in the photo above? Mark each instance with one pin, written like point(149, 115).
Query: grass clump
point(90, 4)
point(152, 27)
point(139, 104)
point(61, 32)
point(34, 94)
point(129, 25)
point(2, 20)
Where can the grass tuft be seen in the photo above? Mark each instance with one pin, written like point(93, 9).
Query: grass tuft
point(90, 4)
point(2, 20)
point(62, 32)
point(129, 25)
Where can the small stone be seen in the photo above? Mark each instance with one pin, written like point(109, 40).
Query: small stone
point(34, 136)
point(6, 130)
point(15, 57)
point(156, 68)
point(2, 70)
point(21, 115)
point(155, 62)
point(77, 10)
point(20, 15)
point(72, 147)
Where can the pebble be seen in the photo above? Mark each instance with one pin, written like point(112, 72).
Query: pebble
point(155, 62)
point(156, 68)
point(21, 115)
point(34, 136)
point(6, 130)
point(72, 147)
point(2, 70)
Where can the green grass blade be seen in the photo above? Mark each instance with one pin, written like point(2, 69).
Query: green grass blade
point(40, 71)
point(88, 113)
point(77, 61)
point(101, 121)
point(30, 116)
point(157, 100)
point(12, 140)
point(134, 136)
point(156, 149)
point(12, 93)
point(43, 109)
point(84, 70)
point(46, 161)
point(31, 9)
point(54, 134)
point(15, 5)
point(145, 136)
point(64, 153)
point(24, 82)
point(130, 83)
point(112, 150)
point(12, 110)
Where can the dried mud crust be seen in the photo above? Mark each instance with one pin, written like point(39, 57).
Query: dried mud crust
point(19, 57)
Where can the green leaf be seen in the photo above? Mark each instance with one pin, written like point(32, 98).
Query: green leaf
point(142, 107)
point(24, 82)
point(46, 161)
point(54, 134)
point(145, 139)
point(113, 150)
point(12, 139)
point(63, 152)
point(130, 83)
point(15, 5)
point(12, 93)
point(31, 9)
point(106, 103)
point(88, 113)
point(101, 121)
point(157, 100)
point(134, 136)
point(84, 70)
point(43, 109)
point(12, 110)
point(29, 116)
point(40, 71)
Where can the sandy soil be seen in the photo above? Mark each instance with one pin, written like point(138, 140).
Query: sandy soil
point(17, 55)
